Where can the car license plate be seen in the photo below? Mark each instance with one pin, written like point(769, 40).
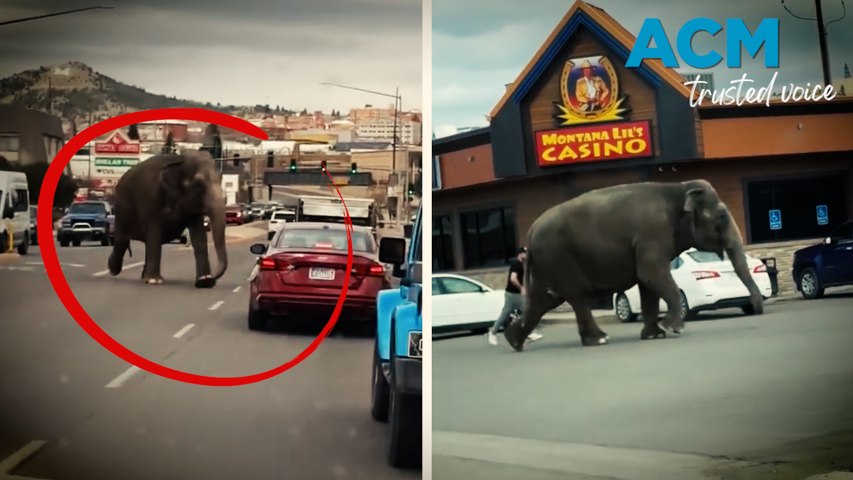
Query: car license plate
point(416, 344)
point(321, 274)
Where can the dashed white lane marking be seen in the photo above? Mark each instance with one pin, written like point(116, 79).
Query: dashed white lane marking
point(184, 330)
point(119, 380)
point(76, 265)
point(126, 267)
point(237, 289)
point(12, 461)
point(216, 305)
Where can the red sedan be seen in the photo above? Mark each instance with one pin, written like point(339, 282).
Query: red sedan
point(303, 269)
point(234, 214)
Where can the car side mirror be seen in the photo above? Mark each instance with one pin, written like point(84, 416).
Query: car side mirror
point(407, 231)
point(9, 212)
point(258, 248)
point(392, 251)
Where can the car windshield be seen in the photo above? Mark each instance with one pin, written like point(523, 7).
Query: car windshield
point(707, 257)
point(279, 216)
point(87, 208)
point(325, 238)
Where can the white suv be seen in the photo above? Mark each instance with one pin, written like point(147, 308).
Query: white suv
point(278, 219)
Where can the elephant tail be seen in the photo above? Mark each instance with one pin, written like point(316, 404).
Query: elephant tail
point(129, 251)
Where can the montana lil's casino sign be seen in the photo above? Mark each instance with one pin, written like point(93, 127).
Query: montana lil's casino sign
point(589, 89)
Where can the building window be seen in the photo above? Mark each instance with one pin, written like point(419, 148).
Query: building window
point(488, 237)
point(9, 143)
point(442, 243)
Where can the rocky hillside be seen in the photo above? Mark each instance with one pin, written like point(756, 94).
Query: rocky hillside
point(75, 90)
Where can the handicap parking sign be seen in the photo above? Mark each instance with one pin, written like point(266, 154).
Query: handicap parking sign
point(822, 215)
point(775, 219)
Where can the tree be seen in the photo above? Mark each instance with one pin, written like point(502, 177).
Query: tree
point(133, 132)
point(212, 142)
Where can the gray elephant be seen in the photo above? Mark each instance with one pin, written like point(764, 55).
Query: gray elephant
point(157, 199)
point(607, 240)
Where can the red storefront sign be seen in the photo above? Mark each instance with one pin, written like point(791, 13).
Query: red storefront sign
point(592, 143)
point(117, 144)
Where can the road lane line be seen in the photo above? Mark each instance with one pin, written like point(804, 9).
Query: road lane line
point(126, 267)
point(216, 305)
point(76, 265)
point(184, 330)
point(119, 380)
point(237, 289)
point(12, 461)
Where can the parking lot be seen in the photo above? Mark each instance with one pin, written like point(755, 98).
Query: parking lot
point(735, 397)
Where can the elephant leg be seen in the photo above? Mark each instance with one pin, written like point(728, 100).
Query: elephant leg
point(153, 251)
point(653, 272)
point(121, 245)
point(538, 302)
point(590, 333)
point(198, 239)
point(650, 305)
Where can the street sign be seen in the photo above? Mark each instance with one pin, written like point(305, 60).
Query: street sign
point(775, 219)
point(822, 215)
point(115, 162)
point(118, 143)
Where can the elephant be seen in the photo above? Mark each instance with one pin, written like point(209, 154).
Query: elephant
point(157, 199)
point(609, 239)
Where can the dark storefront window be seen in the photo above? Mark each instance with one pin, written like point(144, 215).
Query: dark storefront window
point(442, 243)
point(796, 208)
point(488, 237)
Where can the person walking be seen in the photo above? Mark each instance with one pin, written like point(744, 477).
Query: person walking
point(513, 297)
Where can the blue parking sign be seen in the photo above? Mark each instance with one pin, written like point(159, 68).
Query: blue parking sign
point(822, 215)
point(775, 219)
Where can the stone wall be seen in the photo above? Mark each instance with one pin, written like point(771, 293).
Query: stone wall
point(782, 252)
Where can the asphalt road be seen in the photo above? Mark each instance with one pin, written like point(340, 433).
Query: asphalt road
point(769, 396)
point(102, 418)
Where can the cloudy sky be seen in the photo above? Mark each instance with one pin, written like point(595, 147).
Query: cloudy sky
point(232, 52)
point(479, 45)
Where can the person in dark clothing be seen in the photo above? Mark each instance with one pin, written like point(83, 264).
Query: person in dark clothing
point(513, 297)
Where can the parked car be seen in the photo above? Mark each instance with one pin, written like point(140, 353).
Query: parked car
point(279, 218)
point(396, 383)
point(463, 304)
point(705, 282)
point(303, 268)
point(235, 214)
point(87, 220)
point(257, 209)
point(33, 216)
point(825, 265)
point(14, 212)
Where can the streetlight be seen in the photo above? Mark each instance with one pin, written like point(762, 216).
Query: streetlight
point(66, 12)
point(398, 104)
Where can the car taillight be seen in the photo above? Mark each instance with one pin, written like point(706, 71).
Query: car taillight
point(703, 274)
point(273, 264)
point(376, 270)
point(760, 268)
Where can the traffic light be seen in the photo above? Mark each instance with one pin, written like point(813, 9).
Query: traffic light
point(292, 165)
point(270, 159)
point(236, 159)
point(323, 166)
point(354, 168)
point(411, 192)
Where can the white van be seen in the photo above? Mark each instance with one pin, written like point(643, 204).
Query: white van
point(14, 212)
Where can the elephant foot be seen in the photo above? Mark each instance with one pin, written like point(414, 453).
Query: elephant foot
point(675, 326)
point(153, 281)
point(205, 281)
point(114, 266)
point(653, 332)
point(594, 341)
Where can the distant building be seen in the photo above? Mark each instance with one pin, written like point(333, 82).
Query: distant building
point(29, 136)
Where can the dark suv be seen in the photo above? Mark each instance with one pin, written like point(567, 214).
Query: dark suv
point(826, 264)
point(87, 221)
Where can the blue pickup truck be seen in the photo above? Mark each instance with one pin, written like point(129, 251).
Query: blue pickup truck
point(397, 366)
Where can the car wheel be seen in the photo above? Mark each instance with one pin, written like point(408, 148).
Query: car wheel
point(685, 307)
point(105, 242)
point(3, 239)
point(810, 286)
point(76, 243)
point(404, 450)
point(748, 310)
point(380, 390)
point(257, 320)
point(24, 247)
point(623, 309)
point(63, 241)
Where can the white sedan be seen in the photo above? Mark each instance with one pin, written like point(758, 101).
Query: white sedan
point(705, 283)
point(277, 220)
point(463, 304)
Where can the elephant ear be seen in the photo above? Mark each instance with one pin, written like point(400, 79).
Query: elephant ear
point(171, 178)
point(693, 200)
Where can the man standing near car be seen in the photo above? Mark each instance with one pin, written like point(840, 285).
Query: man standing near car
point(513, 297)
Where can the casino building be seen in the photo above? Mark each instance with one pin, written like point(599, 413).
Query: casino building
point(576, 118)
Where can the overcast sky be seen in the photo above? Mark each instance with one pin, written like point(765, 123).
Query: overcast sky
point(233, 52)
point(481, 45)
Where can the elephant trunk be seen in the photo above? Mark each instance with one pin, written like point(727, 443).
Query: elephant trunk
point(217, 229)
point(734, 249)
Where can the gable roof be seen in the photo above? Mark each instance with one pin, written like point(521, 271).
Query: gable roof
point(607, 30)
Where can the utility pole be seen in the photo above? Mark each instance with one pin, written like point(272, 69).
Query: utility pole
point(822, 34)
